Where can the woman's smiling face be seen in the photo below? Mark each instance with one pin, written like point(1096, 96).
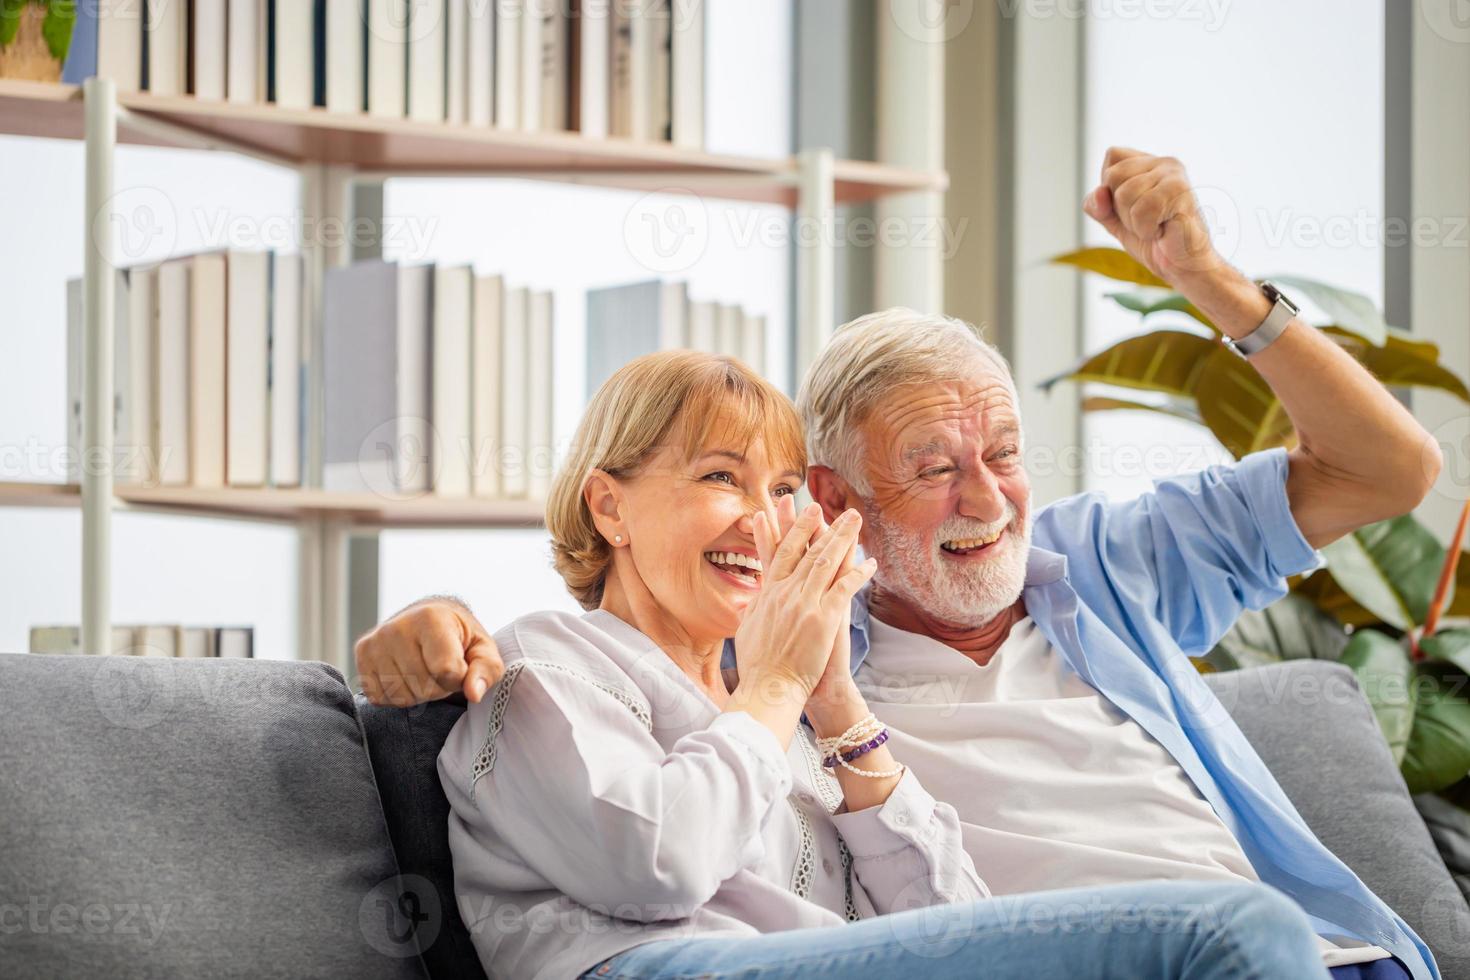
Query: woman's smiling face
point(687, 522)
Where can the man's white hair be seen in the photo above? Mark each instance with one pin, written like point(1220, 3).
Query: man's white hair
point(865, 360)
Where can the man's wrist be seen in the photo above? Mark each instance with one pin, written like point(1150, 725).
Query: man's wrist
point(1231, 300)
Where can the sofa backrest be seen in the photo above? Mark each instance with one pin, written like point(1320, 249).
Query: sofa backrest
point(196, 818)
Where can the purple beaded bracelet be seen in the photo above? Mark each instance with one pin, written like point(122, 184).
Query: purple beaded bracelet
point(831, 761)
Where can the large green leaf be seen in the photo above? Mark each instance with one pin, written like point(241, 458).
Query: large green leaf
point(1147, 304)
point(1239, 407)
point(1291, 628)
point(1114, 263)
point(1390, 568)
point(10, 15)
point(1177, 408)
point(56, 29)
point(1402, 363)
point(1385, 674)
point(1350, 309)
point(1327, 595)
point(1438, 753)
point(1168, 361)
point(1394, 339)
point(1460, 601)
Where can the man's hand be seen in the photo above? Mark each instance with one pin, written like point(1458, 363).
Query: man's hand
point(1146, 203)
point(430, 650)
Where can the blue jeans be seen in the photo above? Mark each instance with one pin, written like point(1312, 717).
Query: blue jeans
point(1179, 930)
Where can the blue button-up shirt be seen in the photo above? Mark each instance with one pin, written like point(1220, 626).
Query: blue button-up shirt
point(1127, 592)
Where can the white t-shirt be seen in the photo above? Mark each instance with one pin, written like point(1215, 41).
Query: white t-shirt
point(1055, 786)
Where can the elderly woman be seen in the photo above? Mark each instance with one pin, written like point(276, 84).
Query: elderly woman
point(623, 808)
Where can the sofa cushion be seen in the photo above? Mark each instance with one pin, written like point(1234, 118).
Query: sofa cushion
point(1313, 728)
point(404, 744)
point(192, 818)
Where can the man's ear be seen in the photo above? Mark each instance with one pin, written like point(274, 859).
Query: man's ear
point(604, 498)
point(829, 490)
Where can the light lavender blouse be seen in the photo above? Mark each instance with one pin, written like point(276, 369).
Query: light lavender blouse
point(599, 800)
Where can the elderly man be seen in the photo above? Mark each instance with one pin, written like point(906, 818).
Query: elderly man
point(1033, 665)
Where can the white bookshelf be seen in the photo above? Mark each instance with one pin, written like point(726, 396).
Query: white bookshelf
point(332, 152)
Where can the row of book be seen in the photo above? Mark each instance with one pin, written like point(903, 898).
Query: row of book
point(433, 379)
point(169, 640)
point(436, 379)
point(629, 68)
point(624, 322)
point(207, 371)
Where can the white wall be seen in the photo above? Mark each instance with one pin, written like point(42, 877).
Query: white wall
point(1276, 109)
point(179, 569)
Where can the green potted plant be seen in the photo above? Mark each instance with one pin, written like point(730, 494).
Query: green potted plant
point(34, 38)
point(1381, 604)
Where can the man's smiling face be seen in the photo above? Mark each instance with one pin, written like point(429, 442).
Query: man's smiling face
point(947, 514)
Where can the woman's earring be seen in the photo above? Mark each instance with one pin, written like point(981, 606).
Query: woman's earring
point(617, 539)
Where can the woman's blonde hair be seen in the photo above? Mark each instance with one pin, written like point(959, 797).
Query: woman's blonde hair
point(672, 394)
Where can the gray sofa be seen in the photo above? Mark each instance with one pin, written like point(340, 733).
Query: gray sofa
point(193, 818)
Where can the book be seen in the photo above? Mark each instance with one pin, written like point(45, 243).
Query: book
point(456, 61)
point(539, 375)
point(624, 322)
point(244, 80)
point(387, 41)
point(128, 450)
point(660, 70)
point(480, 64)
point(107, 41)
point(206, 54)
point(426, 60)
point(509, 15)
point(206, 381)
point(485, 356)
point(170, 373)
point(291, 65)
point(591, 42)
point(195, 642)
point(376, 369)
point(168, 47)
point(728, 322)
point(135, 407)
point(686, 81)
point(753, 342)
point(529, 112)
point(68, 640)
point(450, 414)
point(247, 367)
point(234, 642)
point(633, 59)
point(284, 381)
point(515, 363)
point(553, 60)
point(701, 335)
point(155, 641)
point(340, 55)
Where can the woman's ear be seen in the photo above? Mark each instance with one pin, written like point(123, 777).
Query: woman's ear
point(604, 496)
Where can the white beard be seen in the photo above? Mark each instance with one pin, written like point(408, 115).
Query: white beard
point(962, 594)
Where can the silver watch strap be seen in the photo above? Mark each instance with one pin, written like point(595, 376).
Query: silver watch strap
point(1282, 310)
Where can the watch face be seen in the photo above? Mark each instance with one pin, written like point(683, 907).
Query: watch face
point(1275, 295)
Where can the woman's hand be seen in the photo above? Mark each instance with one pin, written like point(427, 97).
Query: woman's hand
point(785, 641)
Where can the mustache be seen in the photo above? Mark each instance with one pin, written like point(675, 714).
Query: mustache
point(963, 527)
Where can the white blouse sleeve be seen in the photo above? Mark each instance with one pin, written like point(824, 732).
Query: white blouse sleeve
point(576, 787)
point(909, 851)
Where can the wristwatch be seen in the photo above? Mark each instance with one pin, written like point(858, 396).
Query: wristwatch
point(1282, 310)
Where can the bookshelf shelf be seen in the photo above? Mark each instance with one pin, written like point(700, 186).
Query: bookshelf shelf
point(389, 146)
point(295, 505)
